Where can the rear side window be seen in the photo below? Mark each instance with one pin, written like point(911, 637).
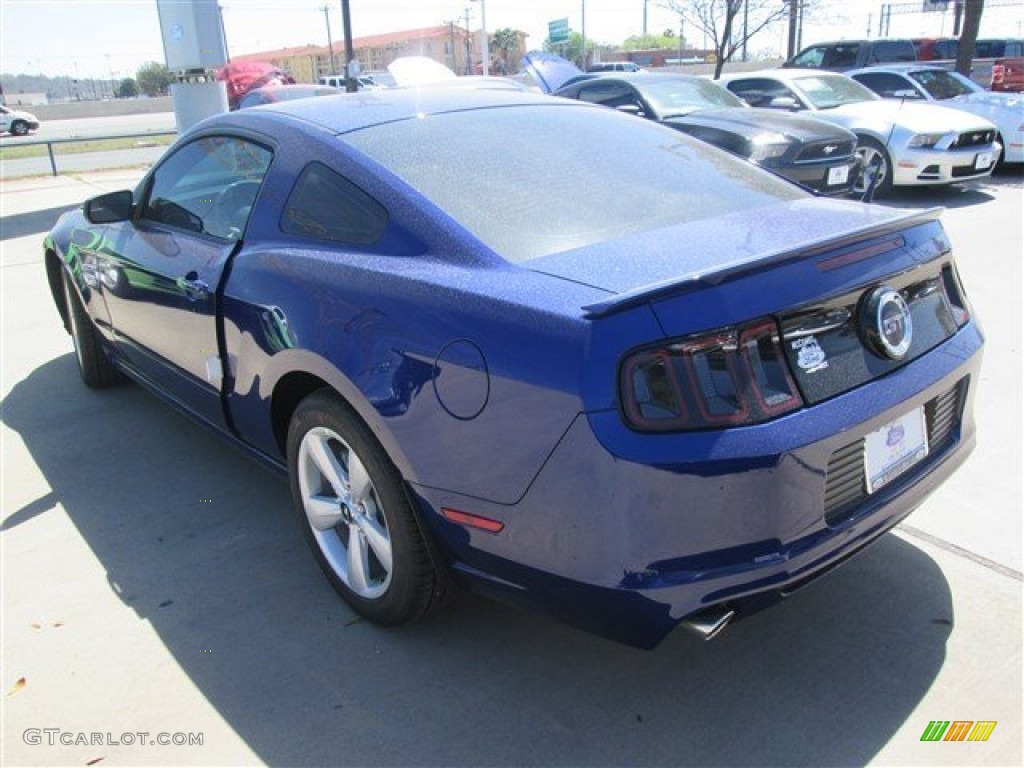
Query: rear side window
point(842, 56)
point(888, 85)
point(893, 50)
point(326, 206)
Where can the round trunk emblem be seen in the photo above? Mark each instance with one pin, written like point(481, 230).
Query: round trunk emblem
point(886, 323)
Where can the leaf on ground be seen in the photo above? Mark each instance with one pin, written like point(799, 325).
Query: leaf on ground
point(17, 686)
point(58, 623)
point(36, 625)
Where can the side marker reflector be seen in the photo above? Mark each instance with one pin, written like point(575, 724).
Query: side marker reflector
point(473, 521)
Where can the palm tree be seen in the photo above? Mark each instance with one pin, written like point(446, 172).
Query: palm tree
point(506, 40)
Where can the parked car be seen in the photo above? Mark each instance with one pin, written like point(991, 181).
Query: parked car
point(938, 85)
point(842, 55)
point(573, 359)
point(815, 153)
point(615, 66)
point(910, 144)
point(16, 122)
point(1007, 75)
point(943, 52)
point(271, 94)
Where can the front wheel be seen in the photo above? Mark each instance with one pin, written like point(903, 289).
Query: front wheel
point(19, 128)
point(93, 364)
point(875, 162)
point(352, 505)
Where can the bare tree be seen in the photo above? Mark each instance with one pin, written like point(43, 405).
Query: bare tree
point(722, 21)
point(969, 36)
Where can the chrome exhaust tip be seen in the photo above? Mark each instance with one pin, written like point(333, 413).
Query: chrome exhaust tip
point(710, 622)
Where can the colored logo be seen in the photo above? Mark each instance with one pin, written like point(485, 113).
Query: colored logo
point(886, 323)
point(958, 730)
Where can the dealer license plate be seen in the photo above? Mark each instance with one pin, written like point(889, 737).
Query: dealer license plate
point(895, 448)
point(838, 175)
point(982, 161)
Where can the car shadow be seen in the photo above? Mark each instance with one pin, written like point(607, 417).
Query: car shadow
point(33, 222)
point(200, 543)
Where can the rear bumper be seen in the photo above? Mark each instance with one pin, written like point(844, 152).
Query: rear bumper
point(627, 545)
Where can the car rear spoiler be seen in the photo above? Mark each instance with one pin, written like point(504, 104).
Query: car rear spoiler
point(733, 270)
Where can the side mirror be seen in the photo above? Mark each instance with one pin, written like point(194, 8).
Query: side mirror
point(109, 208)
point(630, 109)
point(784, 102)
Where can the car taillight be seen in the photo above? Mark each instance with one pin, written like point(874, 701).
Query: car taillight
point(725, 378)
point(954, 290)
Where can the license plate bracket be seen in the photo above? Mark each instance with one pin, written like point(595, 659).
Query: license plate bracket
point(838, 175)
point(894, 449)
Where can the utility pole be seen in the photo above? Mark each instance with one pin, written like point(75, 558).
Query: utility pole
point(451, 37)
point(867, 32)
point(346, 24)
point(745, 9)
point(469, 43)
point(583, 34)
point(958, 15)
point(645, 20)
point(330, 44)
point(791, 46)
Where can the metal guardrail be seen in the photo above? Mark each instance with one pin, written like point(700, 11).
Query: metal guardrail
point(78, 139)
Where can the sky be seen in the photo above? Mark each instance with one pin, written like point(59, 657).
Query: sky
point(111, 38)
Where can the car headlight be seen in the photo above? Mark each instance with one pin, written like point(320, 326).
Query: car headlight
point(768, 147)
point(926, 140)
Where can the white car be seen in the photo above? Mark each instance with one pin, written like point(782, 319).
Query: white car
point(950, 89)
point(17, 123)
point(909, 144)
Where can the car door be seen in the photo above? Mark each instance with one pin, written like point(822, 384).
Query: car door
point(167, 263)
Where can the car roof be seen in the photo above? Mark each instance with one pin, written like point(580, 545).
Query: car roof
point(909, 66)
point(638, 77)
point(354, 111)
point(781, 74)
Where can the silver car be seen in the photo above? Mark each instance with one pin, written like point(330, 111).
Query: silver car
point(908, 144)
point(928, 83)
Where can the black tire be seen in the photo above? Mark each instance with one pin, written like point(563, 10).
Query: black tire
point(19, 128)
point(870, 150)
point(93, 364)
point(411, 588)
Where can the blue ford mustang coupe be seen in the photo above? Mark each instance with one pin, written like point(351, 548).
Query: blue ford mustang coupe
point(534, 347)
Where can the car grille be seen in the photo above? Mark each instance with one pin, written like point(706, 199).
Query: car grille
point(844, 478)
point(978, 138)
point(960, 171)
point(818, 151)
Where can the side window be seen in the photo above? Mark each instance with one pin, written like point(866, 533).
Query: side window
point(611, 95)
point(208, 186)
point(326, 206)
point(887, 85)
point(946, 49)
point(759, 91)
point(844, 56)
point(893, 50)
point(812, 58)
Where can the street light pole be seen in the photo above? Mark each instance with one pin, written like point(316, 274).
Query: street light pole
point(346, 22)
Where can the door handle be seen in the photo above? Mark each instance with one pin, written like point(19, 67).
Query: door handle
point(193, 288)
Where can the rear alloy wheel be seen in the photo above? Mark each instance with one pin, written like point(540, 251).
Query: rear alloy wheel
point(874, 162)
point(93, 364)
point(356, 514)
point(19, 128)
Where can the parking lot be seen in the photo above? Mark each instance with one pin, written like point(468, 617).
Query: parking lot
point(154, 582)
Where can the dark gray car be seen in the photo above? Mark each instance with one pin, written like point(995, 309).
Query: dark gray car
point(812, 152)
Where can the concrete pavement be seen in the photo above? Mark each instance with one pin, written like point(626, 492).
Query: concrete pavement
point(153, 581)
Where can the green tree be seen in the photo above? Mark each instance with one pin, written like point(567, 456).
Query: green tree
point(506, 40)
point(127, 89)
point(650, 42)
point(571, 49)
point(153, 78)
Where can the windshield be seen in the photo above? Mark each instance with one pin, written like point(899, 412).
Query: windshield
point(531, 180)
point(941, 84)
point(827, 91)
point(677, 96)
